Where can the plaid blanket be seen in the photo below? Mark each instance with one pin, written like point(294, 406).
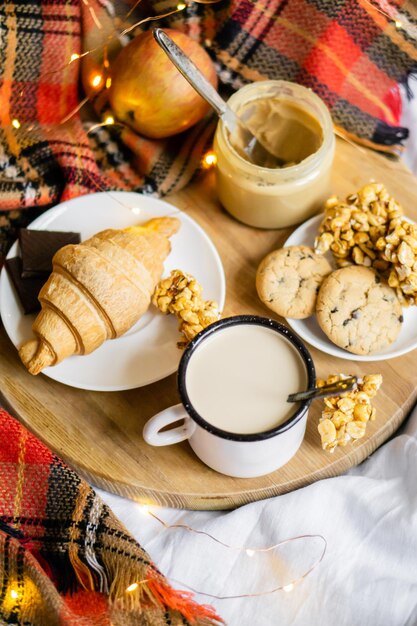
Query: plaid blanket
point(353, 53)
point(65, 559)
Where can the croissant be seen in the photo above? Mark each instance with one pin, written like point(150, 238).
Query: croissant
point(97, 290)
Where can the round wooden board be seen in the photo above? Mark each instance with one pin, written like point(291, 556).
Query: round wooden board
point(100, 434)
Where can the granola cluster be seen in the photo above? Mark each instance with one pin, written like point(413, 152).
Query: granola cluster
point(181, 294)
point(368, 228)
point(345, 417)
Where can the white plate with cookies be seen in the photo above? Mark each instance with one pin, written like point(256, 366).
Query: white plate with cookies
point(309, 329)
point(148, 351)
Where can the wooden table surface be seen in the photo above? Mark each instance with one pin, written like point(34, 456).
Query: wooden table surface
point(99, 433)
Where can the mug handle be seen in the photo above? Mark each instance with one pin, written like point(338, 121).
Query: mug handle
point(151, 431)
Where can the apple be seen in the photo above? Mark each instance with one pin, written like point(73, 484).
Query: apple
point(148, 92)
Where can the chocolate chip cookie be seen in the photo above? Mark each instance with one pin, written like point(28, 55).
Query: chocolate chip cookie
point(357, 311)
point(288, 280)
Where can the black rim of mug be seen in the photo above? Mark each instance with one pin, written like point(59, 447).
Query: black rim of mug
point(233, 321)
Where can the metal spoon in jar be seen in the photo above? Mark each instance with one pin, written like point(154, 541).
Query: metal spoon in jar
point(333, 389)
point(255, 151)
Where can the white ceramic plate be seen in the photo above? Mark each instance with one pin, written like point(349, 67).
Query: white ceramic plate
point(310, 331)
point(148, 351)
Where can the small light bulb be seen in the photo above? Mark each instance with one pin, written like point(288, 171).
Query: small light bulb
point(398, 24)
point(181, 6)
point(96, 80)
point(289, 587)
point(132, 587)
point(109, 120)
point(14, 594)
point(15, 123)
point(108, 82)
point(74, 57)
point(210, 159)
point(145, 508)
point(250, 552)
point(136, 210)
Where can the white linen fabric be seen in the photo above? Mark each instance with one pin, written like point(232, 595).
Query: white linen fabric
point(368, 576)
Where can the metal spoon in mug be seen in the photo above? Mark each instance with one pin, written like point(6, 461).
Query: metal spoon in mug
point(255, 151)
point(333, 389)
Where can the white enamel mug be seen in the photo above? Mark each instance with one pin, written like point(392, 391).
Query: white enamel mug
point(233, 454)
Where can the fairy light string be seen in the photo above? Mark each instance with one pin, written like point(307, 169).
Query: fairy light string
point(136, 586)
point(250, 551)
point(132, 9)
point(100, 81)
point(392, 14)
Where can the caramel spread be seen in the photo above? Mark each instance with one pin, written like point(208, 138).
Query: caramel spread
point(288, 131)
point(296, 126)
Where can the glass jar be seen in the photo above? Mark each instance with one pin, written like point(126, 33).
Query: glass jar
point(275, 198)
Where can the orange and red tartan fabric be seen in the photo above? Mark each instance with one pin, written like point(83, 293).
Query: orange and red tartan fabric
point(353, 53)
point(65, 559)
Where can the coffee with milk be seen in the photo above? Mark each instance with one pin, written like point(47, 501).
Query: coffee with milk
point(239, 378)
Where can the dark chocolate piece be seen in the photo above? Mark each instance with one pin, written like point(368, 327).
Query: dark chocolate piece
point(39, 246)
point(26, 288)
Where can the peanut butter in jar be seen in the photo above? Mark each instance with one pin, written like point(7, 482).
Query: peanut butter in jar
point(295, 125)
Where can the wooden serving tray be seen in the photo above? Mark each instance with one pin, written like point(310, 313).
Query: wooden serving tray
point(99, 434)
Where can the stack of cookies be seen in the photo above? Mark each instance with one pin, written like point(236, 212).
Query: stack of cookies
point(355, 305)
